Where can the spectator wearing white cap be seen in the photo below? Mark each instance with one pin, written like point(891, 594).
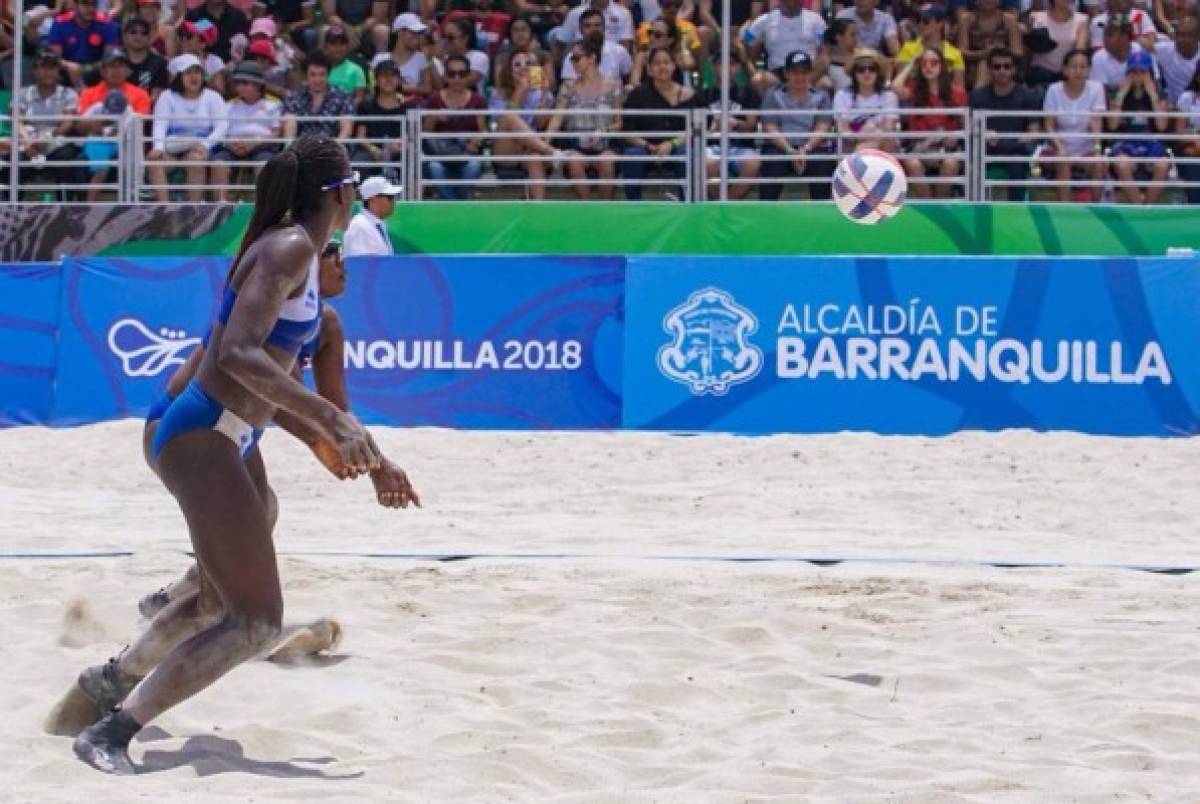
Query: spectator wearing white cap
point(189, 120)
point(418, 75)
point(367, 232)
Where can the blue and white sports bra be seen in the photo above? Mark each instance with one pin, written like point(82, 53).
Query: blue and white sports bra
point(299, 319)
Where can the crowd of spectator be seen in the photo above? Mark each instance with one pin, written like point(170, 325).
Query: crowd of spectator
point(531, 87)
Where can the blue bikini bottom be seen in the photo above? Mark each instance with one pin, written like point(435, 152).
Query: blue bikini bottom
point(196, 410)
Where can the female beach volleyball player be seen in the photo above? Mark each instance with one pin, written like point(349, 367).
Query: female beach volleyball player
point(324, 354)
point(269, 308)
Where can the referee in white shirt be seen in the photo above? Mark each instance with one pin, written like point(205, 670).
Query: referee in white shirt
point(367, 232)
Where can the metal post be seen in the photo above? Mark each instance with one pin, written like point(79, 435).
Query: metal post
point(15, 117)
point(725, 38)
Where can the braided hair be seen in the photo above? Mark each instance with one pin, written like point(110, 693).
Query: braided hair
point(289, 185)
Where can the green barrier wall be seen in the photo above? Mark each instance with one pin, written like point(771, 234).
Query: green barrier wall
point(752, 228)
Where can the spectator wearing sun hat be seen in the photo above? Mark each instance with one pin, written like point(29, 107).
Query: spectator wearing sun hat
point(254, 121)
point(367, 233)
point(189, 121)
point(263, 53)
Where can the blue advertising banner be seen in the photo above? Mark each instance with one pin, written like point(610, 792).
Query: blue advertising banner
point(127, 324)
point(28, 328)
point(912, 345)
point(503, 342)
point(485, 342)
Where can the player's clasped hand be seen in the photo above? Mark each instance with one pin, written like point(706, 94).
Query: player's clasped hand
point(355, 446)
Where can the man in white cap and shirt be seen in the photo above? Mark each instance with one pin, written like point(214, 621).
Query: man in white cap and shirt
point(367, 232)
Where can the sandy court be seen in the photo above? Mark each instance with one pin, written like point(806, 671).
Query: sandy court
point(620, 675)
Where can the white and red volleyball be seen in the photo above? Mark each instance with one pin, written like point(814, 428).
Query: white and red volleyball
point(869, 186)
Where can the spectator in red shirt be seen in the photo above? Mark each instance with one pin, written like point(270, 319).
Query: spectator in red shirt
point(932, 88)
point(114, 74)
point(456, 96)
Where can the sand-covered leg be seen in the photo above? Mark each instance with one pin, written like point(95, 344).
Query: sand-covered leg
point(305, 640)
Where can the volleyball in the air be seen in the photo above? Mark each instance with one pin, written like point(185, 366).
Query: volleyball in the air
point(869, 186)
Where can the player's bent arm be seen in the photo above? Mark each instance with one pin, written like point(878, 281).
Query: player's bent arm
point(242, 353)
point(328, 364)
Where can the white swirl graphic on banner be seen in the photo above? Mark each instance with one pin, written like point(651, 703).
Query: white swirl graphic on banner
point(145, 353)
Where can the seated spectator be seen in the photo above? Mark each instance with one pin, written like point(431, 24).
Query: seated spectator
point(162, 32)
point(1074, 108)
point(418, 75)
point(460, 41)
point(344, 74)
point(517, 95)
point(363, 21)
point(931, 88)
point(225, 19)
point(114, 74)
point(798, 137)
point(543, 17)
point(1144, 31)
point(1137, 96)
point(102, 123)
point(841, 40)
point(1003, 136)
point(195, 38)
point(262, 52)
point(932, 29)
point(1189, 126)
point(327, 110)
point(384, 139)
point(254, 121)
point(456, 96)
point(787, 29)
point(588, 109)
point(189, 120)
point(617, 19)
point(876, 29)
point(982, 30)
point(491, 25)
point(147, 69)
point(520, 39)
point(866, 113)
point(296, 21)
point(1108, 63)
point(687, 37)
point(41, 141)
point(744, 104)
point(1053, 34)
point(80, 38)
point(663, 33)
point(264, 29)
point(664, 135)
point(1179, 57)
point(615, 63)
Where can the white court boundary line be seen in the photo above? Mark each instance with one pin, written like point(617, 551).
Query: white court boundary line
point(1181, 568)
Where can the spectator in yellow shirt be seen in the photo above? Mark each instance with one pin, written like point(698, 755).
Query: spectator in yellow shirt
point(688, 36)
point(933, 36)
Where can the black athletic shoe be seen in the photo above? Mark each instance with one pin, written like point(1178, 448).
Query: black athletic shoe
point(105, 745)
point(107, 684)
point(153, 603)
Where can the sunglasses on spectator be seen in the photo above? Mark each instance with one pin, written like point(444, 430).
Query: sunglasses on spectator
point(1001, 65)
point(140, 30)
point(457, 73)
point(335, 185)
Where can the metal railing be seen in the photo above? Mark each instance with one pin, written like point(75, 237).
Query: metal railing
point(1035, 158)
point(80, 172)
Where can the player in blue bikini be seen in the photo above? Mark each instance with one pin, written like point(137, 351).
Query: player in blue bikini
point(324, 355)
point(270, 308)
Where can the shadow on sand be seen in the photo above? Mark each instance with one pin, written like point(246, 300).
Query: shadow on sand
point(209, 755)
